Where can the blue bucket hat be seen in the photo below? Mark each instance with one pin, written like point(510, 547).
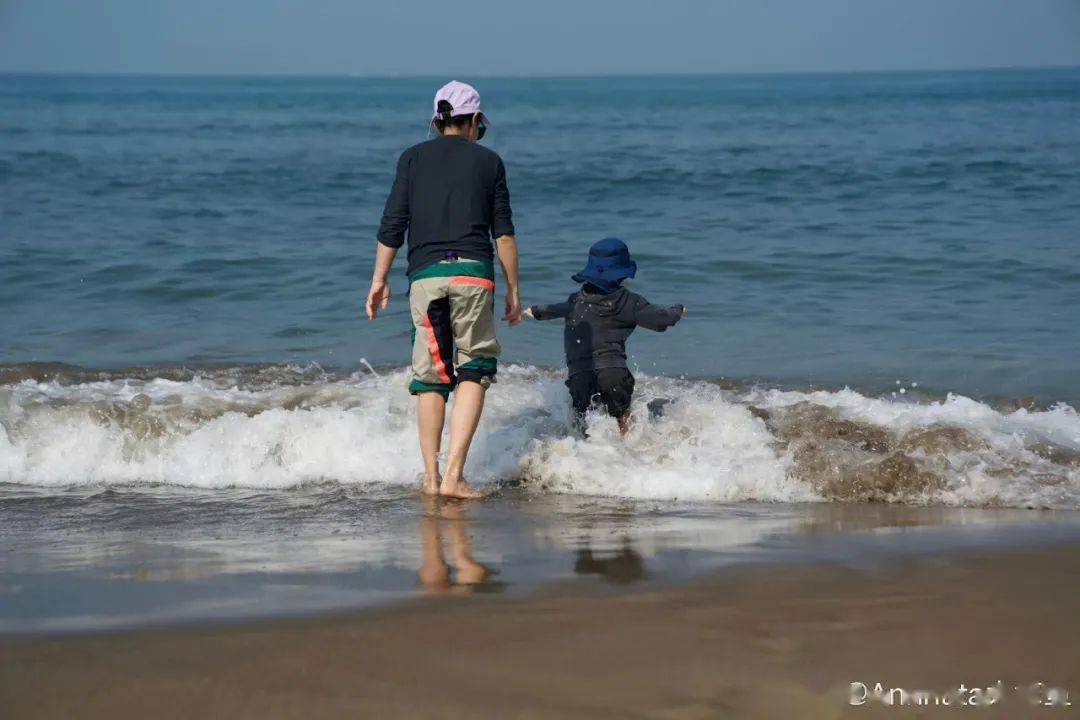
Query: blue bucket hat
point(609, 264)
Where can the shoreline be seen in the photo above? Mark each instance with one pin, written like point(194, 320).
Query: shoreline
point(779, 640)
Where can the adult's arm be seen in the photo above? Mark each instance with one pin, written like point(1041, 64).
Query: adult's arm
point(502, 229)
point(506, 247)
point(392, 228)
point(379, 295)
point(502, 221)
point(395, 218)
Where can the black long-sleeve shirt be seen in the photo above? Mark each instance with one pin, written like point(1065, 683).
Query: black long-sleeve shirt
point(450, 195)
point(598, 324)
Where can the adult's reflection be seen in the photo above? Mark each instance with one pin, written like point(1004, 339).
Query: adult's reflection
point(446, 522)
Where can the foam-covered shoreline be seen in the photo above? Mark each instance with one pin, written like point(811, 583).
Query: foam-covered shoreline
point(281, 427)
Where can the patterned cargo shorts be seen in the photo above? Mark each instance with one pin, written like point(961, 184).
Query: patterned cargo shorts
point(453, 316)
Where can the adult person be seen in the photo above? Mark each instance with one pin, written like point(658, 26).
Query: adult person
point(450, 196)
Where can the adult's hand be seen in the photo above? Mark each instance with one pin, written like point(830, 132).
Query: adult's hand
point(378, 298)
point(513, 307)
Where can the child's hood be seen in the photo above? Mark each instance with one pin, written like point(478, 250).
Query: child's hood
point(604, 304)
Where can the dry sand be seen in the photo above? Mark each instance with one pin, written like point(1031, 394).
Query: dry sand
point(771, 641)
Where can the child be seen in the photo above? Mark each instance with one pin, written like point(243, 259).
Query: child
point(599, 318)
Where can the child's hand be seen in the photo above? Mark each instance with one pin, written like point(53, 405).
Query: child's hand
point(528, 313)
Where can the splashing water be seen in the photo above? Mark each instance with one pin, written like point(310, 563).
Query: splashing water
point(281, 427)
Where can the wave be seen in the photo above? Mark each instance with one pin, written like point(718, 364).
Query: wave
point(280, 427)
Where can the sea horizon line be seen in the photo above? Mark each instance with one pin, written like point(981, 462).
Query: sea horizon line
point(535, 76)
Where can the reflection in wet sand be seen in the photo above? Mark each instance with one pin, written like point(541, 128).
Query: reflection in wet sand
point(93, 558)
point(623, 567)
point(446, 522)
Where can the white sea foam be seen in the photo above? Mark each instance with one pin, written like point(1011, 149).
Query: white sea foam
point(1059, 425)
point(708, 444)
point(1021, 458)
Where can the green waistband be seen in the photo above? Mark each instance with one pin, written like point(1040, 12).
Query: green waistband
point(456, 268)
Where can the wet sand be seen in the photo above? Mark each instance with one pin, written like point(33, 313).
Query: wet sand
point(783, 641)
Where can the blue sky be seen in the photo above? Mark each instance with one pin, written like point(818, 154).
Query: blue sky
point(508, 37)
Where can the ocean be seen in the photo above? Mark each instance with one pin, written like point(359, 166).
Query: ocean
point(882, 275)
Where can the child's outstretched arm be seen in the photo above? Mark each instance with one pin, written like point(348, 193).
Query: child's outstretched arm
point(657, 317)
point(549, 312)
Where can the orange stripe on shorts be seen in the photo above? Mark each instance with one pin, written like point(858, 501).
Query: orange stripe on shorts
point(433, 348)
point(478, 282)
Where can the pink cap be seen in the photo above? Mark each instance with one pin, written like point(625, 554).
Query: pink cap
point(463, 97)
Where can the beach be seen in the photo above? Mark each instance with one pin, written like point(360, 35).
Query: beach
point(774, 641)
point(852, 470)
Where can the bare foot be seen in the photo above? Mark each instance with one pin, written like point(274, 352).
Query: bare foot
point(430, 485)
point(471, 573)
point(460, 490)
point(435, 577)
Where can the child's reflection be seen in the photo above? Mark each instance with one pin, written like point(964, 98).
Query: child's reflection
point(623, 567)
point(449, 521)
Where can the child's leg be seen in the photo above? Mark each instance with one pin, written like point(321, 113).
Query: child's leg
point(582, 388)
point(616, 386)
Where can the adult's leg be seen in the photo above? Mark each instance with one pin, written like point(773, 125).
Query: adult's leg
point(472, 303)
point(433, 370)
point(464, 418)
point(430, 415)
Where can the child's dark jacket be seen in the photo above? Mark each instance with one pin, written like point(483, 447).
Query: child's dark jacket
point(598, 324)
